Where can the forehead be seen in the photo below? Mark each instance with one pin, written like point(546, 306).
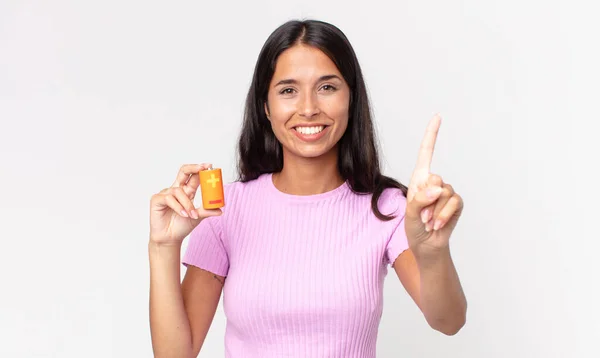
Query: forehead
point(304, 62)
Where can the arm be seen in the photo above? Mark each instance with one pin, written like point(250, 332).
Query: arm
point(432, 212)
point(433, 283)
point(201, 293)
point(180, 313)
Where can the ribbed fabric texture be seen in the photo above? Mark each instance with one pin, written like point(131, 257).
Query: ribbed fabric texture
point(304, 273)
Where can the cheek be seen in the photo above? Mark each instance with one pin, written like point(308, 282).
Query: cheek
point(279, 116)
point(338, 110)
point(281, 111)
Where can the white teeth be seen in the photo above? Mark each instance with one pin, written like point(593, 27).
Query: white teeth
point(310, 130)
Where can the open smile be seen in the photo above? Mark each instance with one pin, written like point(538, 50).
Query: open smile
point(310, 133)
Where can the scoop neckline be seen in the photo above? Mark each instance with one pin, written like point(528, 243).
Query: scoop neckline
point(268, 178)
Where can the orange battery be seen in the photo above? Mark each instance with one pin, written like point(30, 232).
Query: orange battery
point(211, 186)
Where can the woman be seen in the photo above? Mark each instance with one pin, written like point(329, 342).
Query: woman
point(301, 248)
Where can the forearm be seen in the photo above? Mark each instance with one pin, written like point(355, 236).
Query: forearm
point(442, 299)
point(169, 325)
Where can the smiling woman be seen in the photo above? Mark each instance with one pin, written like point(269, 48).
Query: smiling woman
point(308, 103)
point(303, 244)
point(307, 75)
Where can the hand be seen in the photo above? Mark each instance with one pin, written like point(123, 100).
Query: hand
point(433, 208)
point(172, 212)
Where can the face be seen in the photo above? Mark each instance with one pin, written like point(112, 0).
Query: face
point(308, 102)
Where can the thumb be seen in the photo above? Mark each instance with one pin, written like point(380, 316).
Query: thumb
point(205, 213)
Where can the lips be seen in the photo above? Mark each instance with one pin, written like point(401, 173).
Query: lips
point(310, 133)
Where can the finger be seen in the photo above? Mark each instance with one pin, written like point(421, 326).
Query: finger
point(157, 201)
point(204, 213)
point(452, 207)
point(172, 202)
point(447, 193)
point(185, 201)
point(428, 145)
point(187, 172)
point(433, 180)
point(175, 205)
point(426, 214)
point(191, 187)
point(421, 200)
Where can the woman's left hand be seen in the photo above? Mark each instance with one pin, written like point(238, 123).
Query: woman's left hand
point(433, 208)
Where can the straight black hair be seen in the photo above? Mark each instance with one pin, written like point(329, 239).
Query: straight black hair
point(260, 152)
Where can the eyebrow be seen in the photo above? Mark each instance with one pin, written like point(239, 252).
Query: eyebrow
point(291, 81)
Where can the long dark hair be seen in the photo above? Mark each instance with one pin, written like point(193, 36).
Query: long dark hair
point(260, 152)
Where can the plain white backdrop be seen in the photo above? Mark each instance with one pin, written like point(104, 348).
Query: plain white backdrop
point(101, 102)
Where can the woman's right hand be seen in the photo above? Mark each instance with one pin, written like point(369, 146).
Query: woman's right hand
point(172, 212)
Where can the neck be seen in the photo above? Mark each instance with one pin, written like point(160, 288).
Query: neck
point(308, 176)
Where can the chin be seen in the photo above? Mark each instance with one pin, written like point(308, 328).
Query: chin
point(311, 153)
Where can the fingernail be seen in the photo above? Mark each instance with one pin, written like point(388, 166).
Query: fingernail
point(434, 192)
point(194, 214)
point(437, 224)
point(428, 227)
point(183, 213)
point(425, 216)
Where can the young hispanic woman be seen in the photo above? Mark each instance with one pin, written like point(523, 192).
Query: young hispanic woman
point(302, 246)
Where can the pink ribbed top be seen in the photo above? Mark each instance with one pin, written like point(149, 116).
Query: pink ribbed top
point(304, 273)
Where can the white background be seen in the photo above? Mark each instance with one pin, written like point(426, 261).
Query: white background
point(101, 102)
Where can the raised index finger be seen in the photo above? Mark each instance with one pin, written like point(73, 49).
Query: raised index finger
point(428, 144)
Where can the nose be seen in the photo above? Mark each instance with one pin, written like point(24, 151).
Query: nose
point(308, 105)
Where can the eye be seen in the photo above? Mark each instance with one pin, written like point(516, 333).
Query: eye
point(287, 91)
point(329, 88)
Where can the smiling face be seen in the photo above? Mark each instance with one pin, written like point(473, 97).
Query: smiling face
point(308, 103)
